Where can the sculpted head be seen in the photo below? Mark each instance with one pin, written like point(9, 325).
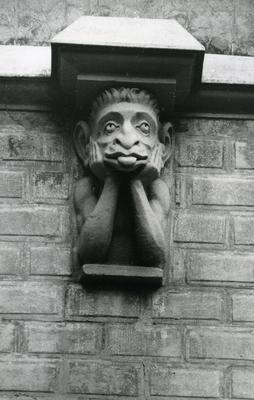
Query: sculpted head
point(123, 128)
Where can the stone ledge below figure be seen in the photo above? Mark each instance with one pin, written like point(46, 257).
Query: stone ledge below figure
point(122, 274)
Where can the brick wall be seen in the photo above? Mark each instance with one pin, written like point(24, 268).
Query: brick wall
point(191, 339)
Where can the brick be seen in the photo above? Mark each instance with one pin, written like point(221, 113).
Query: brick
point(200, 227)
point(10, 259)
point(244, 155)
point(223, 191)
point(7, 338)
point(243, 307)
point(81, 302)
point(24, 146)
point(28, 375)
point(73, 338)
point(102, 378)
point(187, 305)
point(25, 220)
point(199, 153)
point(220, 267)
point(244, 229)
point(220, 343)
point(50, 260)
point(161, 341)
point(194, 382)
point(11, 184)
point(51, 185)
point(30, 298)
point(243, 383)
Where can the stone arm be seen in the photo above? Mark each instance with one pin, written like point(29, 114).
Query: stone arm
point(151, 218)
point(95, 217)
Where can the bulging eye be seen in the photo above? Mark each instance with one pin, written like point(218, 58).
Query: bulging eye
point(144, 127)
point(110, 127)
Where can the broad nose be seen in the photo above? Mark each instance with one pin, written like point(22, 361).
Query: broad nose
point(128, 137)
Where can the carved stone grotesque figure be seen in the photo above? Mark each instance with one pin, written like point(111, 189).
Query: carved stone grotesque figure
point(122, 204)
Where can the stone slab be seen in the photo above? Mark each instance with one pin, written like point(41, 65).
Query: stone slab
point(128, 32)
point(223, 69)
point(122, 274)
point(25, 61)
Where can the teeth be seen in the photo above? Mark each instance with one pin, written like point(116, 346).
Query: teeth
point(127, 161)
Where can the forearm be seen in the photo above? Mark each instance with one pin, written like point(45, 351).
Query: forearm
point(96, 232)
point(150, 235)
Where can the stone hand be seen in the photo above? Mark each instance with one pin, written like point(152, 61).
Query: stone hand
point(153, 168)
point(96, 162)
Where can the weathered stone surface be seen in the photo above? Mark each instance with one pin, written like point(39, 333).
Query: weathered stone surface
point(25, 220)
point(21, 146)
point(30, 298)
point(81, 302)
point(7, 337)
point(188, 305)
point(28, 375)
point(223, 191)
point(10, 259)
point(50, 260)
point(243, 307)
point(220, 267)
point(244, 155)
point(199, 153)
point(221, 343)
point(244, 229)
point(222, 26)
point(167, 381)
point(243, 383)
point(11, 184)
point(101, 378)
point(74, 338)
point(51, 185)
point(199, 227)
point(161, 341)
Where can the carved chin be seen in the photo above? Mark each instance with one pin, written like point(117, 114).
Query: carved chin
point(126, 163)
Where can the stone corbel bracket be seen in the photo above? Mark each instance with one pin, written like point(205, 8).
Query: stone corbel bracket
point(159, 57)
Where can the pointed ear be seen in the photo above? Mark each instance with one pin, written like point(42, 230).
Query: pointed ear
point(166, 139)
point(81, 137)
